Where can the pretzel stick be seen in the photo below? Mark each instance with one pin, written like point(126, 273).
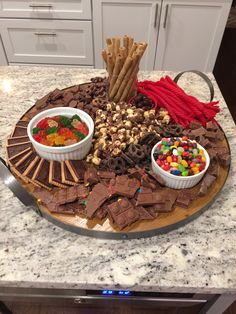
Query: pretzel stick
point(130, 44)
point(126, 42)
point(122, 74)
point(108, 41)
point(110, 65)
point(104, 55)
point(115, 71)
point(133, 49)
point(126, 79)
point(128, 88)
point(117, 46)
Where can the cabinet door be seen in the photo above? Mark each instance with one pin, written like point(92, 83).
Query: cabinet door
point(3, 59)
point(136, 18)
point(44, 41)
point(190, 34)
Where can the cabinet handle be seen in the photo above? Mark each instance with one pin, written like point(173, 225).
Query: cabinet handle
point(155, 18)
point(45, 34)
point(166, 15)
point(34, 5)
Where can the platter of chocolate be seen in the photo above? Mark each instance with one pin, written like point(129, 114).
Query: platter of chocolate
point(113, 192)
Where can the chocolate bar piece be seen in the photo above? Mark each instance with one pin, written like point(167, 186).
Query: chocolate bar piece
point(143, 213)
point(71, 208)
point(184, 198)
point(194, 125)
point(207, 182)
point(90, 176)
point(66, 176)
point(101, 213)
point(42, 102)
point(162, 199)
point(17, 140)
point(197, 133)
point(22, 123)
point(214, 168)
point(70, 194)
point(123, 213)
point(43, 196)
point(96, 198)
point(157, 178)
point(19, 131)
point(41, 175)
point(106, 174)
point(211, 126)
point(77, 169)
point(55, 174)
point(125, 186)
point(211, 135)
point(14, 150)
point(224, 159)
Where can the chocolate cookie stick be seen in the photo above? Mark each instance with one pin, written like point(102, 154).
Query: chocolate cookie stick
point(55, 174)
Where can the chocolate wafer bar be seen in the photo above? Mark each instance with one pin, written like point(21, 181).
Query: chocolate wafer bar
point(55, 174)
point(12, 160)
point(22, 123)
point(123, 213)
point(66, 176)
point(77, 169)
point(96, 198)
point(17, 140)
point(14, 150)
point(29, 172)
point(19, 131)
point(22, 165)
point(41, 175)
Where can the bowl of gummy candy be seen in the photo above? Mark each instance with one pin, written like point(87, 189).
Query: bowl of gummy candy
point(181, 162)
point(61, 133)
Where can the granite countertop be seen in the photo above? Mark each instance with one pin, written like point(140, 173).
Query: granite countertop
point(199, 257)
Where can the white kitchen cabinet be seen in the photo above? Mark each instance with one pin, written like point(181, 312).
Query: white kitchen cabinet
point(190, 34)
point(47, 41)
point(137, 18)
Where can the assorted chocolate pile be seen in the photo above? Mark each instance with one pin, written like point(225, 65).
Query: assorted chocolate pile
point(115, 180)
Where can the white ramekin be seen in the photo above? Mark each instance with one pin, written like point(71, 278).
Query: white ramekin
point(177, 182)
point(76, 151)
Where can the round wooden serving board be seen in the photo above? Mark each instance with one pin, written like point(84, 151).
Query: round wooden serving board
point(163, 223)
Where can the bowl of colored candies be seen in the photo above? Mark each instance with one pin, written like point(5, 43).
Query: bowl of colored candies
point(61, 133)
point(181, 162)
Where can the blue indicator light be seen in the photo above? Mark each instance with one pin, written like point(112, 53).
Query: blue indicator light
point(123, 292)
point(110, 291)
point(104, 292)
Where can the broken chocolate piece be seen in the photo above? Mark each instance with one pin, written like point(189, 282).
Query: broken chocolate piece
point(43, 196)
point(214, 168)
point(224, 159)
point(90, 176)
point(207, 182)
point(70, 194)
point(99, 194)
point(143, 213)
point(125, 186)
point(106, 174)
point(156, 177)
point(148, 197)
point(184, 198)
point(123, 213)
